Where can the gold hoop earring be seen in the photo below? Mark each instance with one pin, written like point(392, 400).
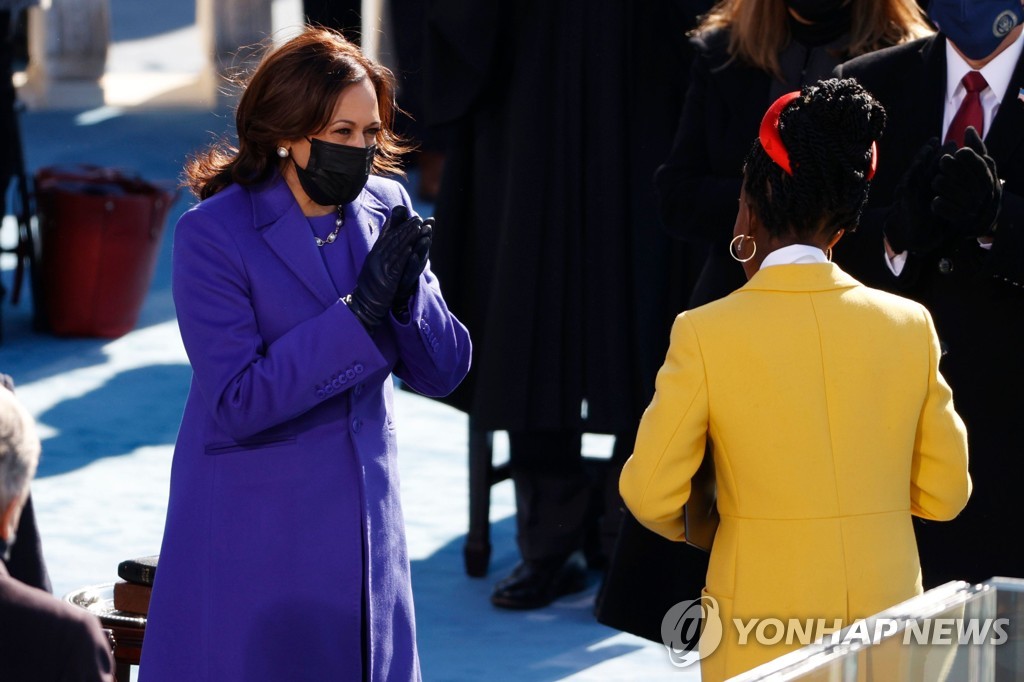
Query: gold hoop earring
point(733, 250)
point(828, 254)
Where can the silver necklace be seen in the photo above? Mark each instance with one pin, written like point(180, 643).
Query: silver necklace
point(338, 222)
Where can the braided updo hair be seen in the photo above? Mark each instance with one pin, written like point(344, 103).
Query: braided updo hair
point(828, 132)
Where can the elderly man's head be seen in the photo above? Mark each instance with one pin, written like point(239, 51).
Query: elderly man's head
point(19, 454)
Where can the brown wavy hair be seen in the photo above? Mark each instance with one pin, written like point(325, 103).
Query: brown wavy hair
point(291, 94)
point(759, 29)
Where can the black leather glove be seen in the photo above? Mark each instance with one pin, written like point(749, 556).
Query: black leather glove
point(414, 267)
point(382, 270)
point(967, 188)
point(910, 224)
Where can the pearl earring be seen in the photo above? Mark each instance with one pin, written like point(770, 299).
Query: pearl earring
point(282, 152)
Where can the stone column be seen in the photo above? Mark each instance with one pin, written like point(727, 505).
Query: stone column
point(233, 30)
point(372, 13)
point(67, 53)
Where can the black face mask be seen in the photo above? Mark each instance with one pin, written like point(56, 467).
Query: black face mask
point(335, 173)
point(817, 10)
point(829, 20)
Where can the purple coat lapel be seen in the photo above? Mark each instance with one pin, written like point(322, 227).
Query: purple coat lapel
point(276, 213)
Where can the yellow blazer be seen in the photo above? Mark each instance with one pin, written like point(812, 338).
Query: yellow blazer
point(830, 425)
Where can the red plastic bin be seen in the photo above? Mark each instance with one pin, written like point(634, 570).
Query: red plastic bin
point(100, 231)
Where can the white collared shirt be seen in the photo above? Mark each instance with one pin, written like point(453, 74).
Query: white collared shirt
point(794, 254)
point(997, 73)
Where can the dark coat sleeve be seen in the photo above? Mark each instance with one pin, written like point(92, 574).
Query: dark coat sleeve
point(699, 183)
point(83, 654)
point(44, 638)
point(862, 253)
point(1007, 258)
point(696, 200)
point(460, 49)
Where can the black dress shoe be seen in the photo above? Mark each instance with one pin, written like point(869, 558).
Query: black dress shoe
point(535, 584)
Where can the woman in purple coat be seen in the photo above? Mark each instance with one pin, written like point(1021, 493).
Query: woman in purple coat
point(301, 285)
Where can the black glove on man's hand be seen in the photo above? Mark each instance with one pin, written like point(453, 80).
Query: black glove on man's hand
point(967, 188)
point(382, 270)
point(910, 224)
point(414, 266)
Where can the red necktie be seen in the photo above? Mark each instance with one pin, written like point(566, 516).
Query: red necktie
point(970, 113)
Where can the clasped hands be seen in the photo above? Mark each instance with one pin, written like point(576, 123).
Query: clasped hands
point(391, 271)
point(946, 193)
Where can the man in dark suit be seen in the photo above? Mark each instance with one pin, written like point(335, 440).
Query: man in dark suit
point(945, 226)
point(41, 638)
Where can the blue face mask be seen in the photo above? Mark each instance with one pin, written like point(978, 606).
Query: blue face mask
point(976, 27)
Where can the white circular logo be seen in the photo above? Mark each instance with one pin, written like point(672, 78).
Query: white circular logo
point(1004, 23)
point(681, 629)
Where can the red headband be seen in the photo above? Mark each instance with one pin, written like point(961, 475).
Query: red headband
point(772, 142)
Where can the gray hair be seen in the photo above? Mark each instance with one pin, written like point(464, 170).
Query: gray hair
point(19, 448)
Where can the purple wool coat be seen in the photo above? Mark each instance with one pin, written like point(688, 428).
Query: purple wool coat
point(284, 529)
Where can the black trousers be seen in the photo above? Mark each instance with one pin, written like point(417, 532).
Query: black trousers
point(561, 503)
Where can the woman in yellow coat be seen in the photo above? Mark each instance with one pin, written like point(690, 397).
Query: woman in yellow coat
point(828, 419)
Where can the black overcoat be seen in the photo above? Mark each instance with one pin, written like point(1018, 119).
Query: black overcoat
point(548, 240)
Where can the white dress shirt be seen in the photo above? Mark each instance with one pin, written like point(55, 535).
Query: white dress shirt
point(794, 254)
